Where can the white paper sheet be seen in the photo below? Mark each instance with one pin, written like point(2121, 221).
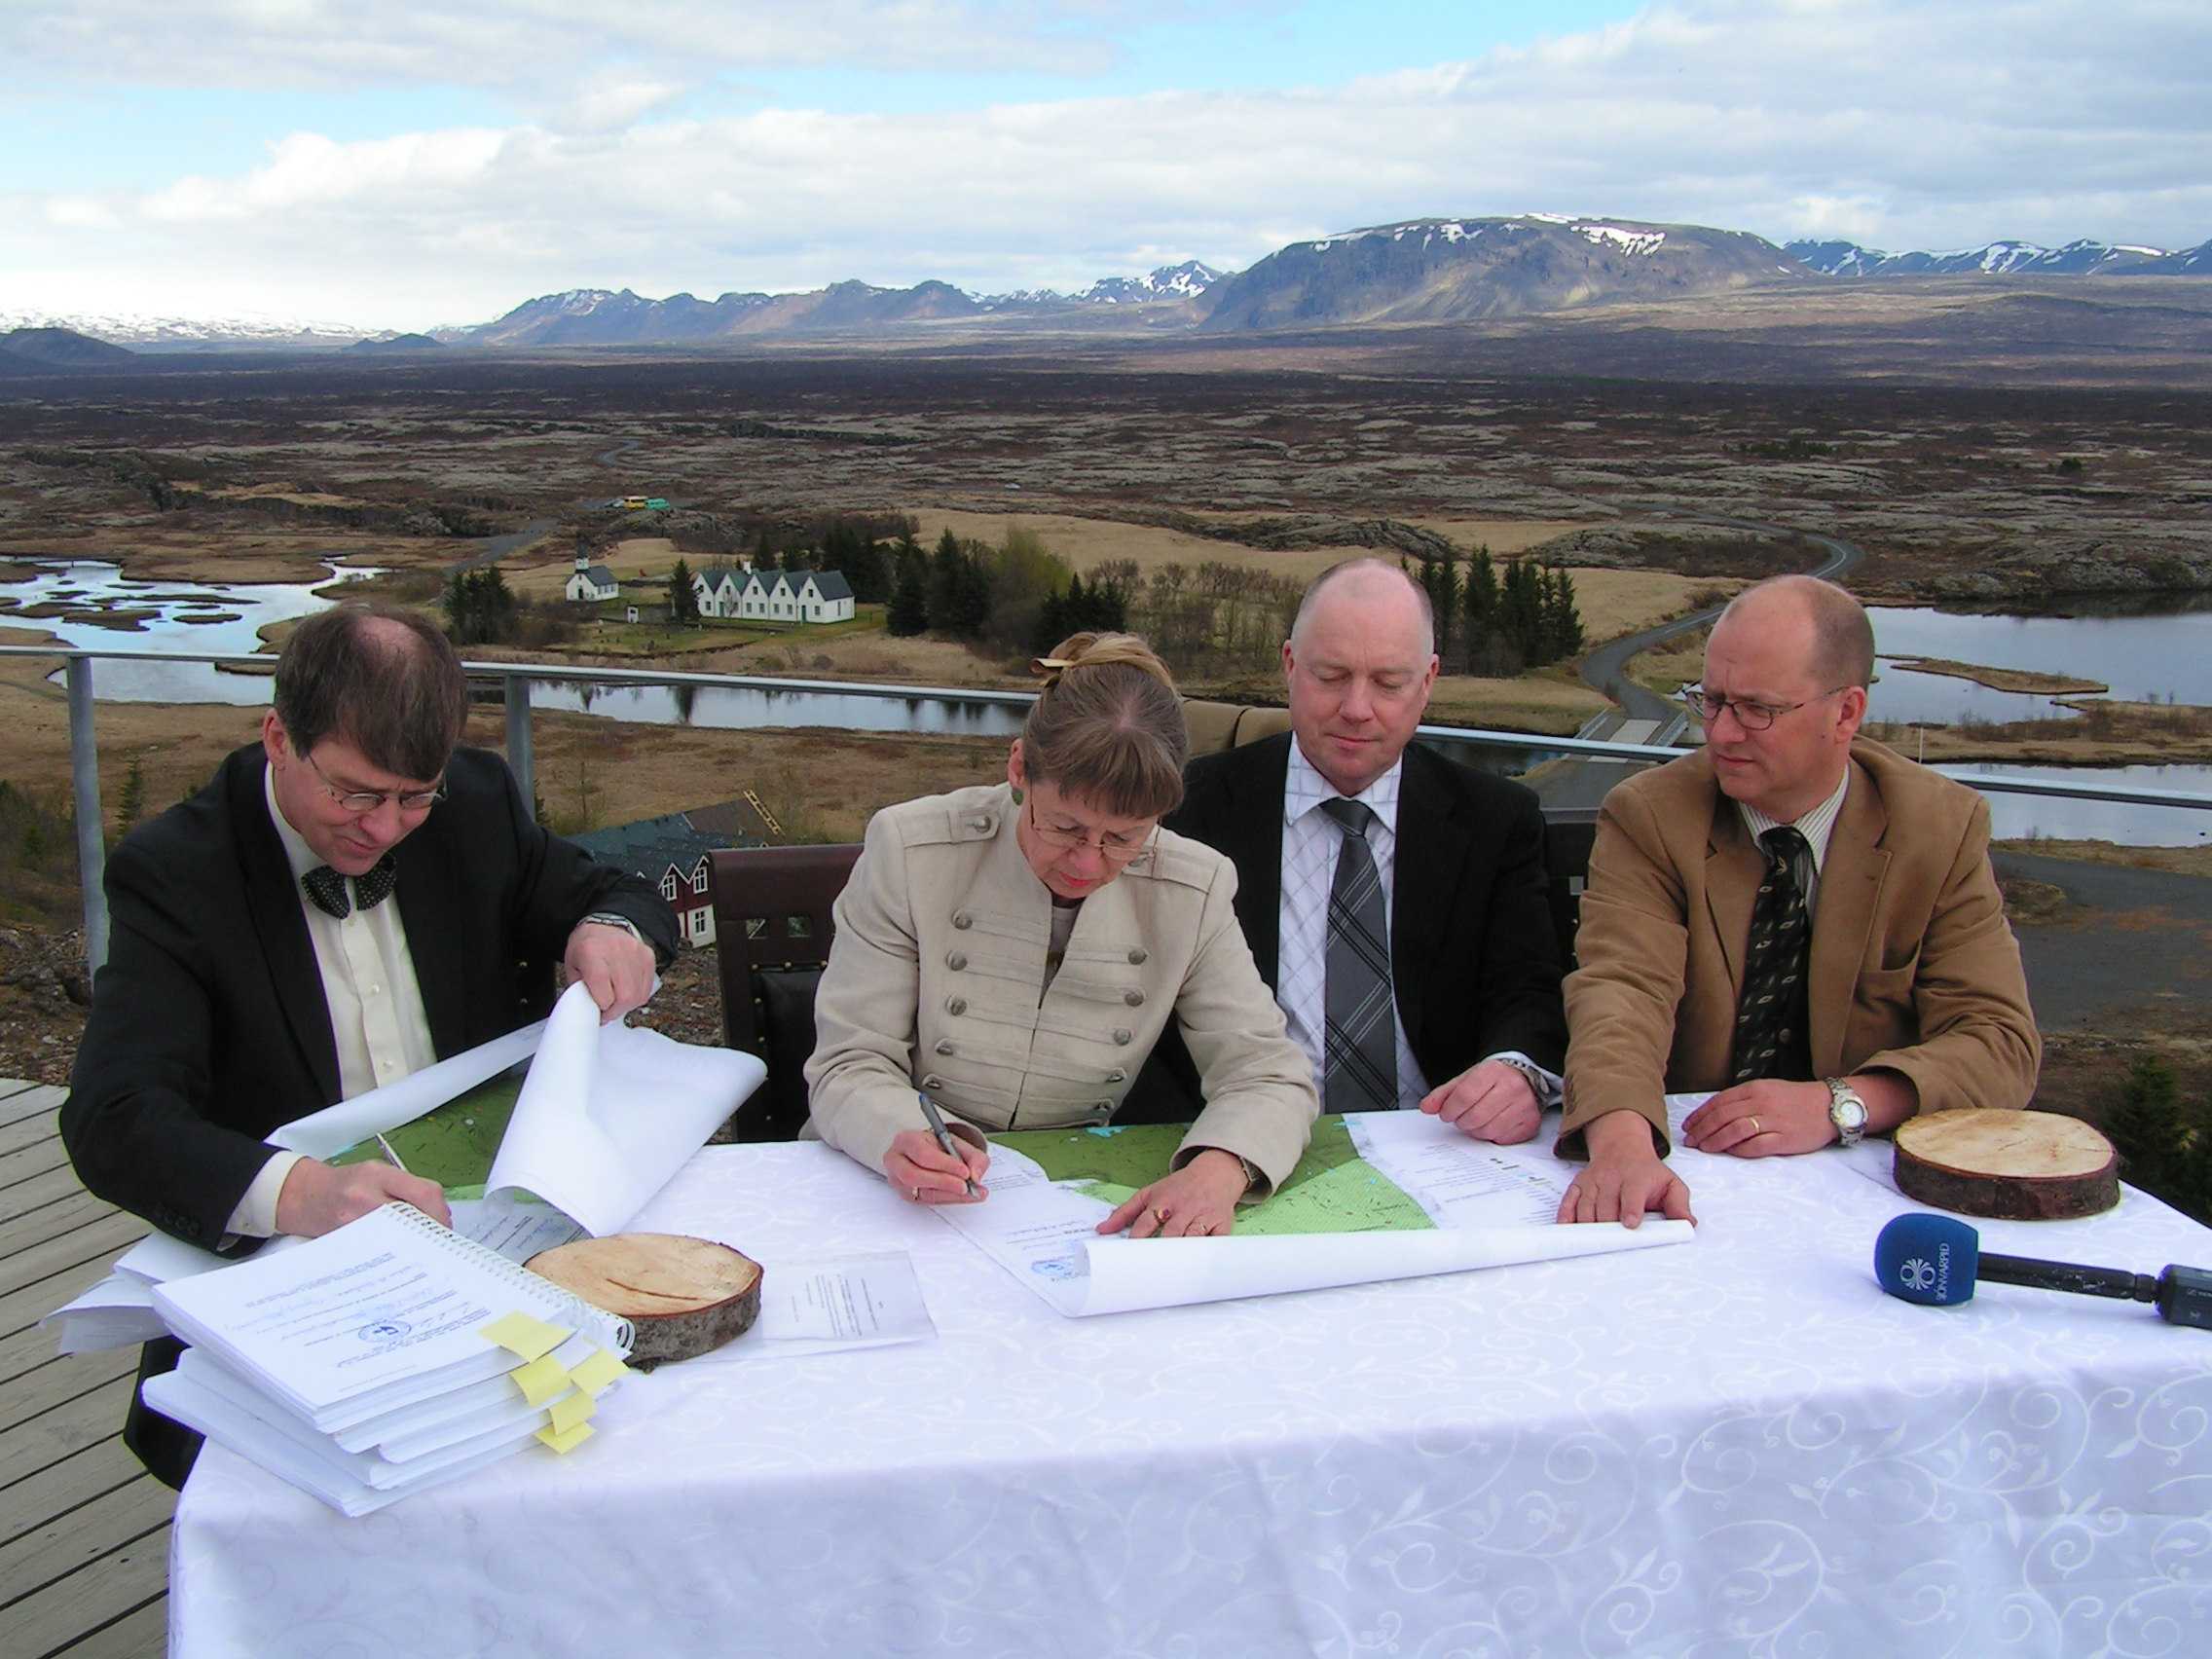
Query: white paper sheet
point(1045, 1235)
point(513, 1227)
point(609, 1113)
point(1458, 1181)
point(822, 1304)
point(330, 1131)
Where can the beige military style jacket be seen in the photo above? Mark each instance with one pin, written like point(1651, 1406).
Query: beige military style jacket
point(937, 980)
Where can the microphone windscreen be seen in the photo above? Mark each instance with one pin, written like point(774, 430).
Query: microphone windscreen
point(1928, 1257)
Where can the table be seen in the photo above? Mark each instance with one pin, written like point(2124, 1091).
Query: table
point(1732, 1447)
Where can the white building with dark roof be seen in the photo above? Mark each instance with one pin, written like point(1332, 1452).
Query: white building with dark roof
point(592, 582)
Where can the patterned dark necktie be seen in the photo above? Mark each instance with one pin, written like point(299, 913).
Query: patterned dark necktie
point(1771, 1038)
point(1360, 1039)
point(327, 888)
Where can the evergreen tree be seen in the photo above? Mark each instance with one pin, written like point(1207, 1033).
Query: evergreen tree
point(870, 573)
point(1108, 607)
point(2145, 1125)
point(910, 593)
point(972, 606)
point(133, 798)
point(1563, 622)
point(682, 597)
point(1478, 599)
point(763, 555)
point(1055, 618)
point(945, 590)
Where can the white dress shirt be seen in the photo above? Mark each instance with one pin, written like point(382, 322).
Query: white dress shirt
point(1311, 844)
point(376, 1009)
point(1816, 827)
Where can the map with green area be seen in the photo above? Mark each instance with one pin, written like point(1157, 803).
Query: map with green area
point(1332, 1189)
point(453, 1144)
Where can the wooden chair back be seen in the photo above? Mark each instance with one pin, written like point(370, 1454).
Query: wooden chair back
point(772, 930)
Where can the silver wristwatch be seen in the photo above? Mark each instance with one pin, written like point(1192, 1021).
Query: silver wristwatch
point(1847, 1112)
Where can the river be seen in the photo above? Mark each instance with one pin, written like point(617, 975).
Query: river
point(2143, 653)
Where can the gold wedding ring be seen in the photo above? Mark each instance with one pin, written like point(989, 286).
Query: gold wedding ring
point(1754, 1123)
point(1159, 1217)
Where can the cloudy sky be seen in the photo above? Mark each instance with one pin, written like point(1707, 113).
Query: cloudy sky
point(404, 166)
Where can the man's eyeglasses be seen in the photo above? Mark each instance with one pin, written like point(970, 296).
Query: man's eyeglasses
point(1752, 716)
point(368, 800)
point(1114, 846)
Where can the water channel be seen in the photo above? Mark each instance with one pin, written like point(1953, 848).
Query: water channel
point(2144, 653)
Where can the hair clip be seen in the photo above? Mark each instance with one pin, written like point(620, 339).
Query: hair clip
point(1048, 668)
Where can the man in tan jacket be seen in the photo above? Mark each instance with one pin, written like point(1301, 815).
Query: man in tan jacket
point(1793, 916)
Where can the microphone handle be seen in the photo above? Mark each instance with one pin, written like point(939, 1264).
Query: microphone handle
point(2116, 1282)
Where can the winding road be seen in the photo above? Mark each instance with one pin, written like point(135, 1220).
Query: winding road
point(1578, 783)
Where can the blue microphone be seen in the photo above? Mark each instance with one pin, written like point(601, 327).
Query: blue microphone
point(1935, 1259)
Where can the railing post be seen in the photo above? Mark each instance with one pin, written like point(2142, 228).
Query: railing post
point(91, 842)
point(517, 687)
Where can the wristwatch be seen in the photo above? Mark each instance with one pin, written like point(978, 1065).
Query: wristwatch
point(1846, 1111)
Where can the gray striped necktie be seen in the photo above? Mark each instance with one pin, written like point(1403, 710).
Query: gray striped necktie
point(1361, 1032)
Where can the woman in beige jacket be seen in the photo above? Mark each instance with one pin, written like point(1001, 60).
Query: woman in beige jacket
point(1013, 952)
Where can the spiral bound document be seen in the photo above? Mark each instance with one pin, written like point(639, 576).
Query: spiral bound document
point(386, 1312)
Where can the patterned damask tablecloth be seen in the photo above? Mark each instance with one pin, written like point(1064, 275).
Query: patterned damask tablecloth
point(1732, 1447)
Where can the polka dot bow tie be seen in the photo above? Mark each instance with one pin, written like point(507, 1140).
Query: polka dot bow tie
point(327, 888)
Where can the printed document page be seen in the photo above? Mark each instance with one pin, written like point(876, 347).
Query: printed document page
point(1045, 1234)
point(822, 1304)
point(1458, 1181)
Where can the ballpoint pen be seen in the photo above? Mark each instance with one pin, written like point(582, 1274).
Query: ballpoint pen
point(943, 1136)
point(391, 1156)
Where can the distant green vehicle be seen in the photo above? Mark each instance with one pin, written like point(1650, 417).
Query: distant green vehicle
point(656, 503)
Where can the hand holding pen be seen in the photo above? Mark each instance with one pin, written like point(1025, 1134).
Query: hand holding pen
point(934, 1165)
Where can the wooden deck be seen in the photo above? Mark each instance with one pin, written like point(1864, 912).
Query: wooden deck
point(83, 1531)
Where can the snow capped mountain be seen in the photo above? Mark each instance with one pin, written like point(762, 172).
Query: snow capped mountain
point(1452, 269)
point(1184, 281)
point(2080, 258)
point(125, 328)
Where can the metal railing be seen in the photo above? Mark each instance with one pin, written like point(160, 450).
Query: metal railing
point(517, 677)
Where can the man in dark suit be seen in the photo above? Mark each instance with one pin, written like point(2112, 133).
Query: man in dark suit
point(1446, 995)
point(257, 972)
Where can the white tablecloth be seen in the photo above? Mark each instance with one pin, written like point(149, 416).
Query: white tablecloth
point(1737, 1445)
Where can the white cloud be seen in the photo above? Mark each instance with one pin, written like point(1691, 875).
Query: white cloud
point(1894, 123)
point(266, 43)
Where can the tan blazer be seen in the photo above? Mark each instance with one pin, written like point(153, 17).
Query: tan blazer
point(937, 980)
point(1914, 968)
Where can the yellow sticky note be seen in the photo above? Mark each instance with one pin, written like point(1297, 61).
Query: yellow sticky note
point(598, 1374)
point(522, 1334)
point(571, 1409)
point(541, 1379)
point(567, 1441)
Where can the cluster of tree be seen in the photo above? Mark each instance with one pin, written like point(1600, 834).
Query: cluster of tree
point(1491, 626)
point(479, 607)
point(481, 610)
point(1210, 618)
point(1019, 597)
point(2164, 1147)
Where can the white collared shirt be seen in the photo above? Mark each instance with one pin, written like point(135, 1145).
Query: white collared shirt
point(1815, 825)
point(1311, 844)
point(377, 1017)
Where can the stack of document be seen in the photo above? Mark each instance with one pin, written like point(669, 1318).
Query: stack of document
point(384, 1358)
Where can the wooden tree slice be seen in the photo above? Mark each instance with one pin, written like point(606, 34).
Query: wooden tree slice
point(2010, 1166)
point(682, 1296)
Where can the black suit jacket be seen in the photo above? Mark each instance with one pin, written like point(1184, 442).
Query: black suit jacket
point(208, 1026)
point(1474, 957)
